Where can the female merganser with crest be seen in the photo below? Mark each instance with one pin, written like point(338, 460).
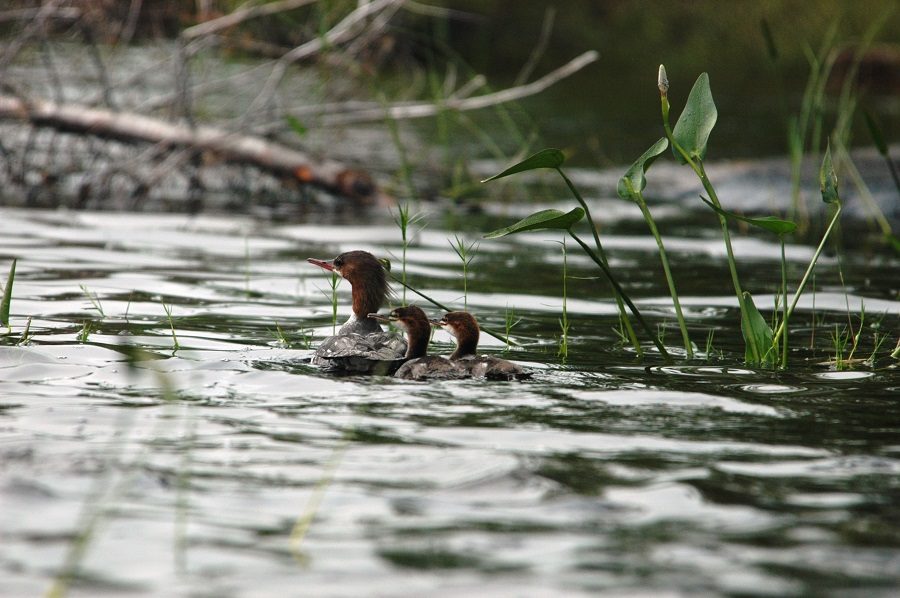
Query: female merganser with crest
point(361, 346)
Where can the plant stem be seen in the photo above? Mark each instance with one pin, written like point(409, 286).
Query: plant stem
point(489, 331)
point(784, 313)
point(689, 349)
point(809, 269)
point(622, 313)
point(621, 293)
point(697, 167)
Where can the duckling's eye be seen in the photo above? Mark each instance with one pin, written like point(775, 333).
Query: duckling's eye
point(338, 262)
point(395, 314)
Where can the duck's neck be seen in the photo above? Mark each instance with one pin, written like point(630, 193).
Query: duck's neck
point(367, 299)
point(417, 336)
point(466, 344)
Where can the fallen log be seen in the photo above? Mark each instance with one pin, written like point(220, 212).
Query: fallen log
point(270, 156)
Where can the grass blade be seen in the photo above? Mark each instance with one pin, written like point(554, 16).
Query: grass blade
point(7, 295)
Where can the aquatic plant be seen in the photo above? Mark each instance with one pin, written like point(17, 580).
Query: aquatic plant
point(564, 318)
point(168, 310)
point(85, 332)
point(26, 336)
point(280, 336)
point(404, 221)
point(828, 184)
point(7, 295)
point(689, 139)
point(466, 254)
point(334, 280)
point(94, 299)
point(557, 220)
point(630, 188)
point(509, 321)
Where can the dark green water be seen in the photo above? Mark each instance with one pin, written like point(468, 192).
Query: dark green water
point(197, 472)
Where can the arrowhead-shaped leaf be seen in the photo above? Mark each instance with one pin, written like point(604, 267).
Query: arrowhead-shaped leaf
point(546, 158)
point(760, 334)
point(828, 179)
point(543, 220)
point(696, 121)
point(769, 223)
point(634, 180)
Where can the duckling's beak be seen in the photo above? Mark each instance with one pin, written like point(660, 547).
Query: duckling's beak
point(438, 322)
point(382, 318)
point(324, 264)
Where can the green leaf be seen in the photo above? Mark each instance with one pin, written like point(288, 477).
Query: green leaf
point(634, 181)
point(546, 158)
point(543, 220)
point(769, 223)
point(696, 121)
point(828, 182)
point(7, 295)
point(760, 334)
point(298, 127)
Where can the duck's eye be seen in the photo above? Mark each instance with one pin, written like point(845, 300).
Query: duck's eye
point(394, 314)
point(338, 262)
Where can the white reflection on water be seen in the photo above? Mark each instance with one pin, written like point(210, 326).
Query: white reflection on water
point(601, 475)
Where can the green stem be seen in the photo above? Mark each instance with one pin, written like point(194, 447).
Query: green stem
point(809, 269)
point(622, 313)
point(689, 349)
point(697, 167)
point(784, 313)
point(496, 335)
point(621, 293)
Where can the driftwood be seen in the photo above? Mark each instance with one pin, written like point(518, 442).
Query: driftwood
point(266, 155)
point(59, 148)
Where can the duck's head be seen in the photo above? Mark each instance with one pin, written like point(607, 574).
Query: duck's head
point(415, 323)
point(366, 276)
point(464, 327)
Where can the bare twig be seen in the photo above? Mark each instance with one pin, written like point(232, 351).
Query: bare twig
point(241, 15)
point(134, 11)
point(423, 110)
point(344, 30)
point(540, 47)
point(88, 34)
point(36, 24)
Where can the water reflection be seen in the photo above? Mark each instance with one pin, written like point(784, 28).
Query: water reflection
point(601, 474)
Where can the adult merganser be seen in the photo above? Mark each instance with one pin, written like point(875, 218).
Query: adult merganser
point(361, 346)
point(418, 332)
point(464, 327)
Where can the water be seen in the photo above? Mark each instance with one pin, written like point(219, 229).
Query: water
point(229, 467)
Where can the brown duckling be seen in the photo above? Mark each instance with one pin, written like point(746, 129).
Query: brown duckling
point(464, 327)
point(419, 366)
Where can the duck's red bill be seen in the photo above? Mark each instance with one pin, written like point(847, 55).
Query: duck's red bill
point(325, 265)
